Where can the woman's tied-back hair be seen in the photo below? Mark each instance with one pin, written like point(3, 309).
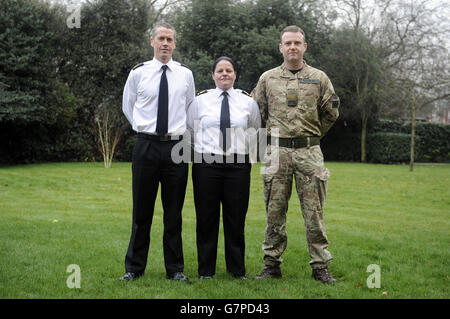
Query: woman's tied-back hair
point(222, 58)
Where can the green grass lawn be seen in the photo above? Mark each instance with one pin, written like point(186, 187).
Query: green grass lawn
point(54, 215)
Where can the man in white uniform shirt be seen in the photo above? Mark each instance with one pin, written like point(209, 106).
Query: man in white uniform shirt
point(156, 99)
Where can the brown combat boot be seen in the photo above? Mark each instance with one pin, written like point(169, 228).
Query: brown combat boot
point(323, 275)
point(270, 272)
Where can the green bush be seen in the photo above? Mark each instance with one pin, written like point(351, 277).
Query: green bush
point(389, 147)
point(391, 126)
point(433, 144)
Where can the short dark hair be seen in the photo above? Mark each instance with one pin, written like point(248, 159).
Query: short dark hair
point(222, 58)
point(293, 28)
point(163, 24)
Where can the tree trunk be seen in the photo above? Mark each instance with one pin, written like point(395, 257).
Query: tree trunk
point(107, 140)
point(363, 138)
point(413, 132)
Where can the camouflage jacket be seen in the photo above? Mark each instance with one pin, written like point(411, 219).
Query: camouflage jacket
point(299, 105)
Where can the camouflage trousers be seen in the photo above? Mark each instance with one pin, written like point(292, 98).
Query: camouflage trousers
point(306, 166)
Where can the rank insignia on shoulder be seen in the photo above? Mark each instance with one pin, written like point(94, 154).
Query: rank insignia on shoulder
point(137, 65)
point(335, 101)
point(202, 92)
point(246, 93)
point(184, 65)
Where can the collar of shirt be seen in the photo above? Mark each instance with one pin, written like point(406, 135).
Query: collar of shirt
point(218, 92)
point(158, 64)
point(285, 72)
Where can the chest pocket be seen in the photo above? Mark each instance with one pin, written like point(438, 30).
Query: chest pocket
point(309, 93)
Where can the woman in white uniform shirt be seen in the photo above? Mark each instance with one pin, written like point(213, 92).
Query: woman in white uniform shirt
point(222, 176)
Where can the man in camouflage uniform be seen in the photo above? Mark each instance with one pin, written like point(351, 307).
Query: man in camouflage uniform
point(299, 106)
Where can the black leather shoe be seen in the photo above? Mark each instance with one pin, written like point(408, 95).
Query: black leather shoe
point(177, 276)
point(236, 276)
point(129, 276)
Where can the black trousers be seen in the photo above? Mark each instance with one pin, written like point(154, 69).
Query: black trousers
point(151, 166)
point(229, 185)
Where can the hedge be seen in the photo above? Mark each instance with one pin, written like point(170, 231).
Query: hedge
point(433, 143)
point(389, 142)
point(390, 147)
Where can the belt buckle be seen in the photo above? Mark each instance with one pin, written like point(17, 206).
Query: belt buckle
point(164, 138)
point(299, 143)
point(296, 143)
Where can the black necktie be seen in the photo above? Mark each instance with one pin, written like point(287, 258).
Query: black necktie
point(225, 121)
point(162, 122)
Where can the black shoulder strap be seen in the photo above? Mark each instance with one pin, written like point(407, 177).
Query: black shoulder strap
point(137, 66)
point(246, 93)
point(184, 66)
point(202, 92)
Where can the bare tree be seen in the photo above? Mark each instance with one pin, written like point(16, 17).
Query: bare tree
point(412, 38)
point(363, 58)
point(109, 130)
point(159, 8)
point(424, 82)
point(417, 54)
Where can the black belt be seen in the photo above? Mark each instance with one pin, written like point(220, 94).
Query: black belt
point(221, 158)
point(296, 142)
point(161, 138)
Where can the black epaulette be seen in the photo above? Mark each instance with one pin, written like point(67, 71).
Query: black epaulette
point(202, 92)
point(184, 65)
point(137, 65)
point(246, 93)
